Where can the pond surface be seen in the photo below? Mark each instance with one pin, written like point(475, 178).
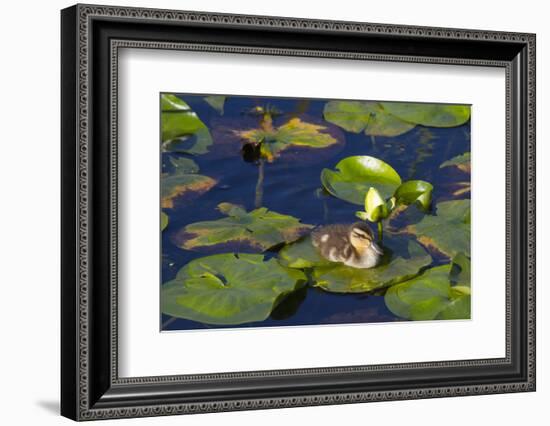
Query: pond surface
point(292, 186)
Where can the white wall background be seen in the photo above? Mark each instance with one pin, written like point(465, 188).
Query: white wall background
point(29, 212)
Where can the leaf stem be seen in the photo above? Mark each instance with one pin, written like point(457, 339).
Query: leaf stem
point(258, 200)
point(380, 231)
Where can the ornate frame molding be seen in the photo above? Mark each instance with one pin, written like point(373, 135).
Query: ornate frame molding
point(80, 19)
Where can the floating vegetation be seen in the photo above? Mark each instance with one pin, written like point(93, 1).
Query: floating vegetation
point(163, 221)
point(392, 118)
point(259, 229)
point(441, 292)
point(448, 231)
point(182, 181)
point(375, 184)
point(181, 128)
point(273, 140)
point(229, 289)
point(338, 278)
point(241, 260)
point(462, 162)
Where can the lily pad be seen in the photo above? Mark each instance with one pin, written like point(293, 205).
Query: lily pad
point(429, 114)
point(260, 229)
point(462, 162)
point(356, 175)
point(448, 231)
point(182, 181)
point(338, 278)
point(430, 296)
point(181, 128)
point(370, 117)
point(392, 118)
point(295, 132)
point(215, 101)
point(163, 221)
point(229, 289)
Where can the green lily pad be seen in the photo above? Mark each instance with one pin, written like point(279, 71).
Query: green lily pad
point(163, 221)
point(294, 132)
point(356, 174)
point(301, 254)
point(338, 278)
point(370, 117)
point(462, 162)
point(430, 296)
point(259, 229)
point(182, 181)
point(229, 289)
point(416, 192)
point(215, 101)
point(430, 115)
point(181, 128)
point(392, 118)
point(448, 231)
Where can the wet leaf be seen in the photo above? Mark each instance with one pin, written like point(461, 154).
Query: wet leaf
point(429, 296)
point(370, 117)
point(301, 254)
point(229, 289)
point(182, 130)
point(376, 208)
point(416, 192)
point(259, 229)
point(183, 180)
point(215, 101)
point(294, 132)
point(356, 175)
point(339, 278)
point(448, 231)
point(163, 221)
point(462, 162)
point(429, 114)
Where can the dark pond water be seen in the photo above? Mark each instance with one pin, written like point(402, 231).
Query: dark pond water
point(291, 187)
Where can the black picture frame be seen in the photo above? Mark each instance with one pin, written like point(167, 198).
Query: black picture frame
point(90, 386)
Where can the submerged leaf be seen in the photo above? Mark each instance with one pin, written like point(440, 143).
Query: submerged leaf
point(370, 117)
point(182, 130)
point(430, 296)
point(259, 229)
point(294, 132)
point(229, 289)
point(356, 175)
point(448, 231)
point(216, 101)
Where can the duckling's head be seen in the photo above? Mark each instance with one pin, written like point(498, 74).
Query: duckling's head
point(362, 239)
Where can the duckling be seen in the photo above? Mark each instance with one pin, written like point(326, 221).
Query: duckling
point(353, 245)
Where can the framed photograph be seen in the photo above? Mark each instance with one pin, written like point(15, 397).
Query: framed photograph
point(263, 212)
